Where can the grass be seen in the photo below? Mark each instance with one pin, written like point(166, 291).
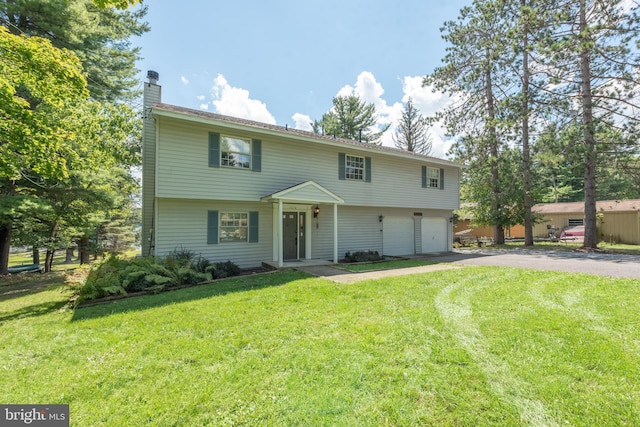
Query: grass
point(475, 346)
point(385, 265)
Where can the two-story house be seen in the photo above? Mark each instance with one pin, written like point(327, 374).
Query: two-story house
point(249, 192)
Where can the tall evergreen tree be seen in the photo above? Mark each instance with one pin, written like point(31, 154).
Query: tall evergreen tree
point(411, 133)
point(474, 70)
point(592, 61)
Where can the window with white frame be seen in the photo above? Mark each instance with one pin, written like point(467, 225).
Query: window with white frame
point(433, 177)
point(233, 227)
point(573, 222)
point(235, 152)
point(354, 167)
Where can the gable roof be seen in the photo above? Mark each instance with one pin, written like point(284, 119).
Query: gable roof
point(175, 111)
point(305, 192)
point(578, 207)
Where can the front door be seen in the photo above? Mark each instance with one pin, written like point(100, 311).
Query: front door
point(293, 235)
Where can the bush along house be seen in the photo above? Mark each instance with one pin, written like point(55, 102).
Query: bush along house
point(249, 192)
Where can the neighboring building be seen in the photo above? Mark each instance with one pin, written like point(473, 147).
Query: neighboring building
point(249, 192)
point(618, 220)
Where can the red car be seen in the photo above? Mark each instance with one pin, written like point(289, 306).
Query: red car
point(572, 233)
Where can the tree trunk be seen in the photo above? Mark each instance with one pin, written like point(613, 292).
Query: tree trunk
point(36, 254)
point(48, 260)
point(526, 153)
point(68, 259)
point(590, 223)
point(5, 245)
point(83, 249)
point(498, 229)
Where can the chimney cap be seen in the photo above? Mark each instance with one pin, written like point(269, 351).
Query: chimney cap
point(153, 76)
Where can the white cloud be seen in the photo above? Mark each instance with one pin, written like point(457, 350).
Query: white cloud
point(233, 101)
point(204, 106)
point(302, 122)
point(200, 97)
point(184, 80)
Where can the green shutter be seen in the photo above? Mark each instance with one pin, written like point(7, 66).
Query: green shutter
point(253, 227)
point(214, 150)
point(367, 169)
point(441, 179)
point(341, 165)
point(424, 177)
point(256, 155)
point(212, 228)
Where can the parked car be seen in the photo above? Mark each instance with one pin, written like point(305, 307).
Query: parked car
point(572, 233)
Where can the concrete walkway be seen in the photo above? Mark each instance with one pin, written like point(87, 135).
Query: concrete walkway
point(602, 264)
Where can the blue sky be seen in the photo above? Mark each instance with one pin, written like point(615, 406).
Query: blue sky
point(283, 61)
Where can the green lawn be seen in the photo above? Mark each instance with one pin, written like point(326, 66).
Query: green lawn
point(385, 265)
point(474, 346)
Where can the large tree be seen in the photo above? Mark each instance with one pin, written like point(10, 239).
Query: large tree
point(98, 35)
point(591, 60)
point(411, 133)
point(351, 118)
point(474, 71)
point(38, 84)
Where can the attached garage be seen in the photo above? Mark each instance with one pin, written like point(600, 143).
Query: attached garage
point(434, 235)
point(398, 236)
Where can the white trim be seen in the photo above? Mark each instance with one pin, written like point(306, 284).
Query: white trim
point(335, 233)
point(288, 195)
point(280, 245)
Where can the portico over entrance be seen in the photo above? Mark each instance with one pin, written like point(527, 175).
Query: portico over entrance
point(294, 211)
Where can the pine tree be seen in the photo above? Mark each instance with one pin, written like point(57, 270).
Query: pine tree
point(351, 118)
point(411, 133)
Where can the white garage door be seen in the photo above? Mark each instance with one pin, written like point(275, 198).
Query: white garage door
point(434, 235)
point(398, 236)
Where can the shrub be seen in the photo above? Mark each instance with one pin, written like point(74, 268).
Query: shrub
point(362, 256)
point(226, 269)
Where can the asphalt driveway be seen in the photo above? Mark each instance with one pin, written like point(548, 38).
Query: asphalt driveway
point(612, 265)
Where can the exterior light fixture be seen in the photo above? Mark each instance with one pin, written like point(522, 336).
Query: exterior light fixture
point(316, 211)
point(380, 218)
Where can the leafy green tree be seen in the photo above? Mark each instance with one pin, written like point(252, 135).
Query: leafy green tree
point(351, 118)
point(97, 33)
point(411, 133)
point(37, 85)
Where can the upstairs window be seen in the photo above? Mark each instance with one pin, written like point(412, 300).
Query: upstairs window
point(354, 167)
point(235, 152)
point(433, 177)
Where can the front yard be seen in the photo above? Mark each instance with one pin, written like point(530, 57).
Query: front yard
point(474, 346)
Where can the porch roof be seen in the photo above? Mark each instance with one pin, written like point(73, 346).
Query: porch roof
point(305, 192)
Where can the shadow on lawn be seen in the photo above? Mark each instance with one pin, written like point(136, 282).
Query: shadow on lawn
point(207, 290)
point(27, 284)
point(32, 310)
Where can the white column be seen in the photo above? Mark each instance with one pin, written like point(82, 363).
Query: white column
point(335, 233)
point(280, 249)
